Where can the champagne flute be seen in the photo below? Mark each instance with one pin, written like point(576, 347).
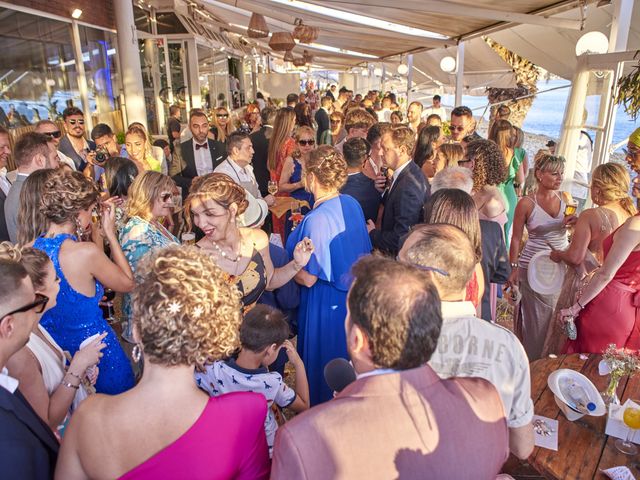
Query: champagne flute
point(631, 418)
point(272, 187)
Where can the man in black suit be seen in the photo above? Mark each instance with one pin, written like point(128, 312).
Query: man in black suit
point(404, 198)
point(5, 184)
point(260, 142)
point(29, 449)
point(322, 117)
point(200, 154)
point(358, 185)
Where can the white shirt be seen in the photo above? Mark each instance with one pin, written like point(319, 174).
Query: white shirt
point(7, 382)
point(243, 176)
point(396, 174)
point(5, 185)
point(584, 157)
point(440, 111)
point(202, 159)
point(384, 115)
point(471, 347)
point(66, 160)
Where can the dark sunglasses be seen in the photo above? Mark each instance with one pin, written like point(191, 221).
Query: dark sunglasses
point(222, 115)
point(630, 152)
point(79, 121)
point(56, 134)
point(166, 196)
point(37, 305)
point(306, 142)
point(456, 128)
point(335, 120)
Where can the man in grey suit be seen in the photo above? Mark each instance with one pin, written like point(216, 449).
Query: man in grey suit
point(33, 151)
point(5, 184)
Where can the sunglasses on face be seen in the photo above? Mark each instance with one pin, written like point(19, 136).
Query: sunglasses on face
point(56, 134)
point(37, 305)
point(79, 121)
point(456, 128)
point(166, 196)
point(337, 120)
point(306, 142)
point(631, 152)
point(222, 115)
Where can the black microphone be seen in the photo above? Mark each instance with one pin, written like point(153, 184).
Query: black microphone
point(339, 373)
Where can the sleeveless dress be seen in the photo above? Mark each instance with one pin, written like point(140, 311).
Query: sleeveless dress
point(226, 441)
point(614, 315)
point(299, 194)
point(338, 232)
point(285, 151)
point(252, 282)
point(77, 317)
point(509, 190)
point(534, 313)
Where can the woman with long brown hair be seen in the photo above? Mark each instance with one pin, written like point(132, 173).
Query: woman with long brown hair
point(281, 146)
point(222, 124)
point(503, 135)
point(609, 190)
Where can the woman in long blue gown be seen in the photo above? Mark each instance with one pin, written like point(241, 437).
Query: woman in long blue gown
point(67, 201)
point(337, 228)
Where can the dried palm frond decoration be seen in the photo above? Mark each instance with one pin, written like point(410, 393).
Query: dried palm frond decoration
point(257, 27)
point(305, 33)
point(629, 91)
point(281, 41)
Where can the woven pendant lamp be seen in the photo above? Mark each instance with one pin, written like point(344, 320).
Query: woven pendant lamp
point(288, 56)
point(308, 58)
point(305, 33)
point(257, 27)
point(281, 41)
point(299, 62)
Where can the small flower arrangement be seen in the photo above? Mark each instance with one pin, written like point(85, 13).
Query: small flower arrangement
point(621, 362)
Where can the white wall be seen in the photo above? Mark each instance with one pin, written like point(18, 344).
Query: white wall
point(278, 85)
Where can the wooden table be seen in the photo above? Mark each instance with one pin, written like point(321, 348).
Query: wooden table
point(583, 448)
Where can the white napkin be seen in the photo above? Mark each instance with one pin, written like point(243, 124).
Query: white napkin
point(546, 441)
point(615, 425)
point(619, 473)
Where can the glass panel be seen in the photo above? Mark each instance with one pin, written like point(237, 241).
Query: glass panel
point(149, 66)
point(167, 22)
point(221, 80)
point(177, 62)
point(37, 73)
point(103, 81)
point(142, 19)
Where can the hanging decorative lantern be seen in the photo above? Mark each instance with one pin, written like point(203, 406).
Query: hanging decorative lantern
point(308, 58)
point(305, 33)
point(257, 27)
point(288, 56)
point(281, 41)
point(299, 62)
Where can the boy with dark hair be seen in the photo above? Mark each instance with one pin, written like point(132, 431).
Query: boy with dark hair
point(264, 331)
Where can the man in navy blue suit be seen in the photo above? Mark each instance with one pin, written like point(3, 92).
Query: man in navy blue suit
point(29, 450)
point(358, 185)
point(406, 195)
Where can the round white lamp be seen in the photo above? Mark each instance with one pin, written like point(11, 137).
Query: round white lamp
point(403, 69)
point(448, 64)
point(592, 42)
point(377, 72)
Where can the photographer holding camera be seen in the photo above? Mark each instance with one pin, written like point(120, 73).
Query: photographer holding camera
point(106, 146)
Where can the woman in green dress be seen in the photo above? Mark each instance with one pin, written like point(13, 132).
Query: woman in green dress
point(502, 132)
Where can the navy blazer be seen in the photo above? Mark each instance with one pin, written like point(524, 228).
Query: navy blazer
point(363, 189)
point(403, 207)
point(28, 447)
point(495, 261)
point(218, 153)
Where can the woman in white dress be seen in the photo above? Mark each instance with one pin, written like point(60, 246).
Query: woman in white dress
point(46, 382)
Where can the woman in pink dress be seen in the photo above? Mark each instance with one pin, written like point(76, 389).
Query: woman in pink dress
point(165, 427)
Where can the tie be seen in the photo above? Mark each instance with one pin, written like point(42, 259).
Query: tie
point(204, 145)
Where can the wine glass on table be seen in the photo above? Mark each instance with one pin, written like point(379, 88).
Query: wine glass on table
point(631, 418)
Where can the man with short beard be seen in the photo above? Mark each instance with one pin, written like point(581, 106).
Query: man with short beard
point(74, 145)
point(51, 130)
point(462, 124)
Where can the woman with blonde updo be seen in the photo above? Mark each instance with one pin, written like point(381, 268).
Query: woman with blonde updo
point(150, 201)
point(185, 314)
point(609, 190)
point(336, 225)
point(67, 202)
point(213, 205)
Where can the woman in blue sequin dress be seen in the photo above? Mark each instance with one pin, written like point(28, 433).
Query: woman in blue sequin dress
point(67, 202)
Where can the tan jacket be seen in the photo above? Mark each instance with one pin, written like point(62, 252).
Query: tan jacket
point(405, 425)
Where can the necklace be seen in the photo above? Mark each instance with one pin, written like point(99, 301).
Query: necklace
point(224, 254)
point(322, 198)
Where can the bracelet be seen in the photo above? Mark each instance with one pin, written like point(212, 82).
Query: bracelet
point(74, 375)
point(69, 385)
point(580, 305)
point(514, 264)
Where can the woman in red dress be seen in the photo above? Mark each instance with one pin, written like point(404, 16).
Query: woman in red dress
point(608, 310)
point(281, 146)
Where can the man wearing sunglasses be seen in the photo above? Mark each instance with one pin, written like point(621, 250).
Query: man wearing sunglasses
point(51, 130)
point(74, 144)
point(469, 346)
point(29, 448)
point(462, 124)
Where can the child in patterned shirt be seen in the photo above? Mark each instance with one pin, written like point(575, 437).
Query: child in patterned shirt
point(264, 331)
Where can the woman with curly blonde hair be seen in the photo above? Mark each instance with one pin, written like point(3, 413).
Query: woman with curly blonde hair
point(31, 222)
point(166, 427)
point(213, 205)
point(337, 228)
point(67, 202)
point(609, 190)
point(150, 201)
